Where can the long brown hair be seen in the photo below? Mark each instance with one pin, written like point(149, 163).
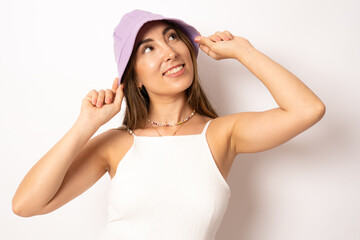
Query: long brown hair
point(138, 102)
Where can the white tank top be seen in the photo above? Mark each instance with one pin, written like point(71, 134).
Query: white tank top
point(166, 188)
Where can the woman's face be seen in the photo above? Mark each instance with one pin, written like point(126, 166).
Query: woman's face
point(161, 49)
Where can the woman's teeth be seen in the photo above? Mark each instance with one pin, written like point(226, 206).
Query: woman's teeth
point(174, 70)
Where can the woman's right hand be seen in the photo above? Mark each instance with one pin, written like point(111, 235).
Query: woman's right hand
point(98, 107)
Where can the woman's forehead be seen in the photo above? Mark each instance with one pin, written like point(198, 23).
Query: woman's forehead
point(149, 28)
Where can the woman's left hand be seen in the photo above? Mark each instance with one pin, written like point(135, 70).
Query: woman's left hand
point(223, 45)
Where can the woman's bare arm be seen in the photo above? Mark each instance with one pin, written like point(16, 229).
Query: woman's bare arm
point(74, 163)
point(44, 179)
point(299, 108)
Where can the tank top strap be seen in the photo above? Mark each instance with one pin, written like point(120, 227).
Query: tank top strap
point(206, 126)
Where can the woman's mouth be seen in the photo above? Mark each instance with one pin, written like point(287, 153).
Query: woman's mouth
point(175, 72)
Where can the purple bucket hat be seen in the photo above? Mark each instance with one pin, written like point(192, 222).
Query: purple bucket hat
point(126, 31)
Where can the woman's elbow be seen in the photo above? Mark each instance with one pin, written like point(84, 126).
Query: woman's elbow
point(320, 110)
point(20, 210)
point(316, 112)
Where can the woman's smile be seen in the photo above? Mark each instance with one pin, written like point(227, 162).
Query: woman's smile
point(175, 72)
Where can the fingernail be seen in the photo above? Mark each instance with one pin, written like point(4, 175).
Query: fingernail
point(197, 38)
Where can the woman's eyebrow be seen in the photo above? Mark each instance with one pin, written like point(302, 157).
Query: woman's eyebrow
point(150, 40)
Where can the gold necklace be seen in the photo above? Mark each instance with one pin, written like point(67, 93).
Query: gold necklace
point(175, 124)
point(171, 134)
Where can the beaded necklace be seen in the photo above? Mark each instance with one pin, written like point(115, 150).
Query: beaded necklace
point(171, 125)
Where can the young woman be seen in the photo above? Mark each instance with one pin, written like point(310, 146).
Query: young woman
point(169, 161)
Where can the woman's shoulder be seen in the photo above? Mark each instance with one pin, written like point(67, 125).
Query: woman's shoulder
point(218, 130)
point(111, 143)
point(115, 135)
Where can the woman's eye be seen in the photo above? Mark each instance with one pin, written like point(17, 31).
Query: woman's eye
point(146, 49)
point(150, 48)
point(173, 35)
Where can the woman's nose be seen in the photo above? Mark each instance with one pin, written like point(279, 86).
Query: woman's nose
point(169, 53)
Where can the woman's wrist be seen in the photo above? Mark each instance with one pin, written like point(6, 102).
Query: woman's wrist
point(244, 53)
point(86, 125)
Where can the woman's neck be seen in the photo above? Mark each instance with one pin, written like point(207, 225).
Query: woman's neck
point(169, 113)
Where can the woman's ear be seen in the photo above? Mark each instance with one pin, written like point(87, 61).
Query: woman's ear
point(138, 84)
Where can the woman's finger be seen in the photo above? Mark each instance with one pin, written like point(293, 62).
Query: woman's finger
point(205, 49)
point(223, 36)
point(115, 85)
point(229, 34)
point(108, 96)
point(119, 95)
point(214, 38)
point(92, 96)
point(100, 98)
point(89, 96)
point(205, 42)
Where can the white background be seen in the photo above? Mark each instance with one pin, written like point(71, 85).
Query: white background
point(53, 52)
